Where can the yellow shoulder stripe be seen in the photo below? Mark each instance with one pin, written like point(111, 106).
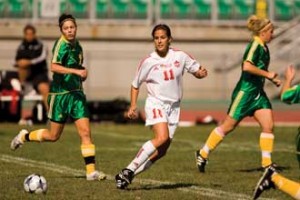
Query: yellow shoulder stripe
point(251, 51)
point(56, 51)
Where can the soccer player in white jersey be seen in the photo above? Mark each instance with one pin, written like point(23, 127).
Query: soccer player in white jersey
point(162, 72)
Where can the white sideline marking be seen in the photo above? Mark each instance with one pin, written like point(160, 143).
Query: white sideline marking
point(209, 192)
point(243, 146)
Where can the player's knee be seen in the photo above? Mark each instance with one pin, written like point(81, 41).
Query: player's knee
point(162, 139)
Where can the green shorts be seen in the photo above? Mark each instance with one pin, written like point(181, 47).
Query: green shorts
point(62, 106)
point(244, 104)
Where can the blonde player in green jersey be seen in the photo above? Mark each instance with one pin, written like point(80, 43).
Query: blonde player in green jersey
point(271, 178)
point(66, 97)
point(249, 97)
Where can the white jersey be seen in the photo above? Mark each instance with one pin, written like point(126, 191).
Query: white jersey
point(163, 76)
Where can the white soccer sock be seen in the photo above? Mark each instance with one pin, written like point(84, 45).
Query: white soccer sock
point(146, 165)
point(144, 153)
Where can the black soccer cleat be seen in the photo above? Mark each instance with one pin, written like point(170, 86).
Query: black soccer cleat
point(124, 178)
point(200, 161)
point(265, 182)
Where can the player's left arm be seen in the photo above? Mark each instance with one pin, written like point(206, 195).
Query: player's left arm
point(194, 67)
point(200, 73)
point(252, 69)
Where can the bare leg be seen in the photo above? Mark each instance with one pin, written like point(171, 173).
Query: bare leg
point(88, 149)
point(40, 135)
point(84, 131)
point(46, 135)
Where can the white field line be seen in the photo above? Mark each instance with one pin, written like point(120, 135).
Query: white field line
point(242, 146)
point(209, 192)
point(278, 124)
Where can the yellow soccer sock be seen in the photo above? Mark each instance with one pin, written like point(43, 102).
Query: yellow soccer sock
point(88, 152)
point(290, 187)
point(215, 137)
point(36, 135)
point(266, 145)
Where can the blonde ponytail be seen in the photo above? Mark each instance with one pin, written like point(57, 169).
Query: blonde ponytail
point(257, 25)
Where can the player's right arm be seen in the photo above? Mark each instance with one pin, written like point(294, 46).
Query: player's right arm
point(140, 76)
point(132, 112)
point(58, 68)
point(60, 54)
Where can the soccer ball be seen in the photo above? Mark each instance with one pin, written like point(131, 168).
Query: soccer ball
point(35, 183)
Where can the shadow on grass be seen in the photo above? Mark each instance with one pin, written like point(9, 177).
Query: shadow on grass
point(167, 186)
point(261, 169)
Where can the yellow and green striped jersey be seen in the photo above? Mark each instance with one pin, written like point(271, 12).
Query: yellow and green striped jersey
point(256, 53)
point(291, 95)
point(68, 55)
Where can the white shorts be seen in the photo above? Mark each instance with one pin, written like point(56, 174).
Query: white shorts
point(157, 111)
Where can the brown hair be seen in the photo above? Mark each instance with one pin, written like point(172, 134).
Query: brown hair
point(164, 27)
point(65, 17)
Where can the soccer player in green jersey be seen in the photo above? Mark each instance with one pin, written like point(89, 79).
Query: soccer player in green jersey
point(66, 97)
point(249, 97)
point(271, 178)
point(291, 95)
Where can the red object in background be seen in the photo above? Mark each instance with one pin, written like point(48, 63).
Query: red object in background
point(15, 95)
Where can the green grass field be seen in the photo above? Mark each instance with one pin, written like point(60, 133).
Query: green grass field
point(231, 172)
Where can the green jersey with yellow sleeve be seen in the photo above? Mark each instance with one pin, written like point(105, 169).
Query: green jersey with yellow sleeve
point(258, 54)
point(248, 95)
point(68, 55)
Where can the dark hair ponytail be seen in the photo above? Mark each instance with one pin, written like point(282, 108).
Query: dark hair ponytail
point(164, 27)
point(65, 17)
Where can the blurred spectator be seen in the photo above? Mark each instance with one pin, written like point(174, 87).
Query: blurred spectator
point(31, 61)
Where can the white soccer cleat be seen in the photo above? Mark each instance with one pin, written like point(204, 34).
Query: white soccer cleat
point(96, 176)
point(17, 142)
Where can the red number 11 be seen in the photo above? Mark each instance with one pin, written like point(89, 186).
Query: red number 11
point(169, 75)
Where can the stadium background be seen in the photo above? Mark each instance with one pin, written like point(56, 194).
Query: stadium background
point(115, 36)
